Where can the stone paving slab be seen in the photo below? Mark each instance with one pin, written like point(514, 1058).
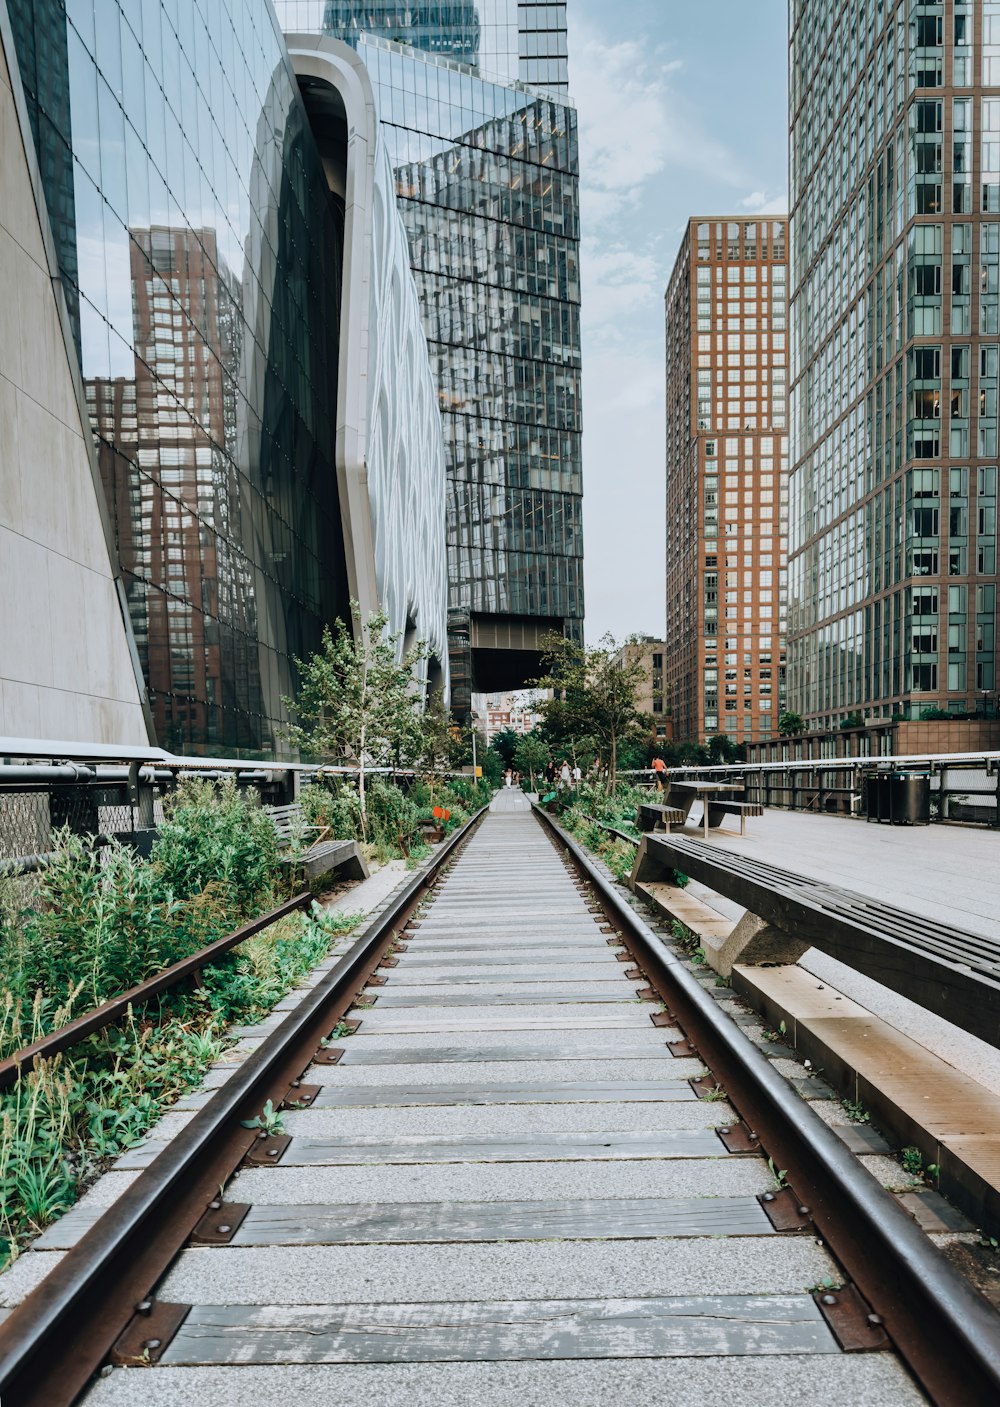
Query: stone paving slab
point(487, 1073)
point(497, 1182)
point(710, 1382)
point(496, 1120)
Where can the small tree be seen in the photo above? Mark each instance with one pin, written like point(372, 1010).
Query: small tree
point(357, 701)
point(594, 697)
point(505, 743)
point(530, 756)
point(790, 724)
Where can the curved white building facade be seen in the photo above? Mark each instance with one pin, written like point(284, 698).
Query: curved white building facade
point(390, 445)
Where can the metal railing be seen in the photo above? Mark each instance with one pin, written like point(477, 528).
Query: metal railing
point(964, 787)
point(117, 792)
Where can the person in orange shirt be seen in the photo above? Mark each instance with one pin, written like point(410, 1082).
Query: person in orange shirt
point(660, 768)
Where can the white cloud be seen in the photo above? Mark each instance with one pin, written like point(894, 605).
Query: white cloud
point(616, 281)
point(759, 203)
point(633, 125)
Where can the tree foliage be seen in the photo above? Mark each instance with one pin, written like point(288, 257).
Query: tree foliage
point(594, 699)
point(505, 743)
point(790, 724)
point(531, 755)
point(357, 703)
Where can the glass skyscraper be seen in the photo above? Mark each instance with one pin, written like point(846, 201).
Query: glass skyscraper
point(258, 472)
point(487, 183)
point(895, 319)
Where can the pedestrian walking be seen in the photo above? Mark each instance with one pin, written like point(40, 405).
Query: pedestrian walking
point(660, 768)
point(565, 775)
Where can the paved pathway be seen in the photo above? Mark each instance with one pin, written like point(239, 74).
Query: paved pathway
point(506, 1193)
point(946, 872)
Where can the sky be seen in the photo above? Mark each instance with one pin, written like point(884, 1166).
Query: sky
point(682, 111)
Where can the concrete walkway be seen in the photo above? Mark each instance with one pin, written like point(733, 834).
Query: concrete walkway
point(947, 872)
point(506, 1192)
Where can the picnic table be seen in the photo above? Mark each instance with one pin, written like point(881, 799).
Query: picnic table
point(683, 795)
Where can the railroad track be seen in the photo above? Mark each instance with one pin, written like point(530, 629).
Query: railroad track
point(516, 1180)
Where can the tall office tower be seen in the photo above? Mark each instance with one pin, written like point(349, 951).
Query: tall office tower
point(895, 240)
point(255, 477)
point(486, 172)
point(726, 472)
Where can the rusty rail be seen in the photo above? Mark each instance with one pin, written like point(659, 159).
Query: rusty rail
point(114, 1010)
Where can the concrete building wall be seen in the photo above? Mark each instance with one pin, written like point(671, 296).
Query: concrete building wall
point(66, 662)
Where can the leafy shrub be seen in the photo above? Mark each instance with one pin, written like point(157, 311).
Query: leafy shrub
point(392, 818)
point(333, 804)
point(218, 835)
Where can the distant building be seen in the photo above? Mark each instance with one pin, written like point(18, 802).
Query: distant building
point(498, 712)
point(726, 480)
point(650, 698)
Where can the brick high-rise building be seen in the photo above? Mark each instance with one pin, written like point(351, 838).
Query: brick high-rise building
point(895, 326)
point(726, 469)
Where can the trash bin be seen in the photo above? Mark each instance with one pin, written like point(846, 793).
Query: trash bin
point(909, 798)
point(901, 798)
point(876, 795)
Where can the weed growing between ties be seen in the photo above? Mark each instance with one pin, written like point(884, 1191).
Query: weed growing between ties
point(99, 921)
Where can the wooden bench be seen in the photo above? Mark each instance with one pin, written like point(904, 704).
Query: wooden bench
point(949, 971)
point(717, 809)
point(321, 855)
point(651, 817)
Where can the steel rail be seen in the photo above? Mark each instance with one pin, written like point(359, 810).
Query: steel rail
point(116, 1008)
point(52, 1345)
point(944, 1330)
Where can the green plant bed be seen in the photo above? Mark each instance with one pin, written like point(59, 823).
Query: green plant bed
point(101, 920)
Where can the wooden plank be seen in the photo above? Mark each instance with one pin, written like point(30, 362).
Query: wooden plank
point(566, 1092)
point(358, 1052)
point(304, 1152)
point(430, 1223)
point(928, 972)
point(664, 1327)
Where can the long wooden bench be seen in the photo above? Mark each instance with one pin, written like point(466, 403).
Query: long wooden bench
point(949, 971)
point(743, 809)
point(651, 817)
point(321, 856)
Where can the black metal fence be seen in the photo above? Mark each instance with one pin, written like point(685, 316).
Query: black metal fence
point(962, 787)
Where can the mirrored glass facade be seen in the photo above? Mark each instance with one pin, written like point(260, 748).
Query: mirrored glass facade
point(487, 181)
point(202, 250)
point(504, 40)
point(895, 252)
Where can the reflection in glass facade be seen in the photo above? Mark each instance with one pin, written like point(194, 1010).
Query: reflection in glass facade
point(504, 40)
point(198, 238)
point(895, 274)
point(487, 183)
